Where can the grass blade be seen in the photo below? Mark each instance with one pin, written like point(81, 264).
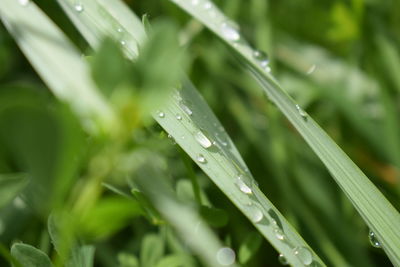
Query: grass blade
point(187, 222)
point(57, 61)
point(195, 128)
point(381, 217)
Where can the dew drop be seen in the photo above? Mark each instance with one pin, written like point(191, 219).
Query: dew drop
point(261, 57)
point(122, 42)
point(242, 185)
point(301, 112)
point(229, 31)
point(256, 215)
point(185, 108)
point(207, 5)
point(161, 114)
point(373, 240)
point(178, 117)
point(79, 7)
point(120, 30)
point(195, 2)
point(224, 143)
point(304, 255)
point(282, 260)
point(24, 2)
point(226, 256)
point(201, 159)
point(278, 233)
point(202, 139)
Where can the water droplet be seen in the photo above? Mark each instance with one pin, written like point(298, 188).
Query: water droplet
point(311, 69)
point(242, 186)
point(24, 2)
point(201, 159)
point(178, 117)
point(229, 31)
point(256, 215)
point(122, 42)
point(79, 7)
point(301, 112)
point(185, 108)
point(226, 256)
point(183, 137)
point(120, 30)
point(373, 240)
point(278, 233)
point(202, 139)
point(207, 5)
point(282, 259)
point(224, 143)
point(261, 57)
point(304, 255)
point(195, 2)
point(161, 114)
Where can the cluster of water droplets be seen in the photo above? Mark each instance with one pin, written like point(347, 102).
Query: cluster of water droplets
point(120, 33)
point(243, 182)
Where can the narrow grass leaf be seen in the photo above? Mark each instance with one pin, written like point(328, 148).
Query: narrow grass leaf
point(57, 62)
point(381, 217)
point(191, 228)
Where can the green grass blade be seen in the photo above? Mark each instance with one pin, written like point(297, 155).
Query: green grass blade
point(375, 209)
point(57, 61)
point(188, 119)
point(186, 221)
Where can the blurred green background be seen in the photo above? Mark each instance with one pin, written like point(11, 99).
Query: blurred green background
point(339, 59)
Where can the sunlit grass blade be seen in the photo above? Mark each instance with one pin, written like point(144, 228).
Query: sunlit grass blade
point(189, 120)
point(57, 61)
point(381, 217)
point(186, 221)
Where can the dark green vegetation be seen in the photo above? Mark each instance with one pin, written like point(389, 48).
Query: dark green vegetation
point(51, 164)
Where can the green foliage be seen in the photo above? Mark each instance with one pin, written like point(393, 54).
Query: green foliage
point(29, 256)
point(88, 178)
